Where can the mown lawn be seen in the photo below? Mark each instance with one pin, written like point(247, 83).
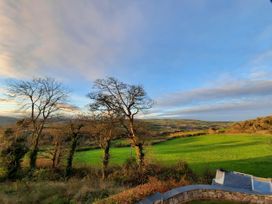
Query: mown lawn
point(246, 153)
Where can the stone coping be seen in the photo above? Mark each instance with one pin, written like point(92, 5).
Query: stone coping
point(176, 191)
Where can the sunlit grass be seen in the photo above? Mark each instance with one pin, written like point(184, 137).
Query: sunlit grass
point(247, 153)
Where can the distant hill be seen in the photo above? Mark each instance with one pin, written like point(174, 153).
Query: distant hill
point(258, 125)
point(156, 125)
point(4, 120)
point(172, 125)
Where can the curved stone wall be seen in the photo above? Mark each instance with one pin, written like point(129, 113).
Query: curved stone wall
point(207, 192)
point(216, 195)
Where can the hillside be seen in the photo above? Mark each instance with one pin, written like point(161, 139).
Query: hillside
point(4, 120)
point(177, 125)
point(260, 125)
point(157, 125)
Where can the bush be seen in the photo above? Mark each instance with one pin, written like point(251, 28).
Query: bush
point(26, 192)
point(130, 175)
point(87, 172)
point(180, 170)
point(84, 195)
point(13, 150)
point(72, 191)
point(58, 174)
point(208, 176)
point(3, 173)
point(46, 174)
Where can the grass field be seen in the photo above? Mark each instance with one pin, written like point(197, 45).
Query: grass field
point(246, 153)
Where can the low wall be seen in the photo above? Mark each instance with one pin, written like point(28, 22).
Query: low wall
point(207, 192)
point(216, 195)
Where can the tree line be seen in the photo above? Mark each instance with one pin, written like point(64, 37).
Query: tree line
point(113, 108)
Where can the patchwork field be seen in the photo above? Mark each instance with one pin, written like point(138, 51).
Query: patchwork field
point(249, 153)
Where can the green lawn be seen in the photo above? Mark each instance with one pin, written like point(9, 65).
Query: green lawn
point(247, 153)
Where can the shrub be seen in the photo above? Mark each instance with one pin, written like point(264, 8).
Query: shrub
point(3, 173)
point(87, 172)
point(12, 152)
point(72, 191)
point(180, 170)
point(85, 195)
point(46, 174)
point(130, 175)
point(207, 177)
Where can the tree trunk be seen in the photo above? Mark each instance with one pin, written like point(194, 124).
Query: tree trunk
point(140, 154)
point(69, 166)
point(34, 153)
point(57, 161)
point(138, 145)
point(106, 159)
point(56, 155)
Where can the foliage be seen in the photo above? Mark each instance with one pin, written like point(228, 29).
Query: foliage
point(62, 192)
point(46, 174)
point(258, 125)
point(130, 175)
point(86, 186)
point(13, 150)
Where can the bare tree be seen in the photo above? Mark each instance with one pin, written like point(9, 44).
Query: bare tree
point(126, 101)
point(106, 125)
point(41, 98)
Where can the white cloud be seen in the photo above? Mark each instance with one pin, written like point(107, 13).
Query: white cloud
point(262, 60)
point(9, 107)
point(64, 38)
point(236, 99)
point(239, 105)
point(238, 89)
point(239, 109)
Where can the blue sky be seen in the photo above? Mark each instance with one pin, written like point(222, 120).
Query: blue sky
point(200, 59)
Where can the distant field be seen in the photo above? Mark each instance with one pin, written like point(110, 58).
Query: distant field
point(170, 125)
point(247, 153)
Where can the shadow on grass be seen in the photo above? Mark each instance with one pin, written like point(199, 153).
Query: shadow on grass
point(183, 140)
point(207, 147)
point(222, 145)
point(260, 166)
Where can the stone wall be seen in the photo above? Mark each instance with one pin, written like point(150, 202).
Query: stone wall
point(207, 192)
point(216, 195)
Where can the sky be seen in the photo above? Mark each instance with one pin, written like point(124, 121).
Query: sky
point(197, 59)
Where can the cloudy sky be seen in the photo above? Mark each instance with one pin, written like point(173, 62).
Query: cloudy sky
point(200, 59)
